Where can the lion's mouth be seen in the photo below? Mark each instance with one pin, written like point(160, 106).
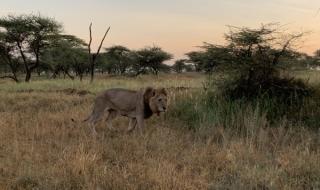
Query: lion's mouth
point(161, 111)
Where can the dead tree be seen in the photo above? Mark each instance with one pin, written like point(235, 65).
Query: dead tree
point(93, 57)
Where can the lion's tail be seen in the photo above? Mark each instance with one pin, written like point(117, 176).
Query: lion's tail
point(83, 121)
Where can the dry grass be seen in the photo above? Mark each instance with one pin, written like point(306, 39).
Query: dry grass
point(41, 148)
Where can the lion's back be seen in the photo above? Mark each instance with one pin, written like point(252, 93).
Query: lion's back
point(120, 99)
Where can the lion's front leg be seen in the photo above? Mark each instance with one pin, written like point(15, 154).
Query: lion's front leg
point(140, 122)
point(132, 125)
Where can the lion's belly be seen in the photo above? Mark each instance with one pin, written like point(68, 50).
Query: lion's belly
point(131, 114)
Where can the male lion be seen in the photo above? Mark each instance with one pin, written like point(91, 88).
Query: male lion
point(137, 105)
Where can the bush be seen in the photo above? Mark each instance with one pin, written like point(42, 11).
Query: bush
point(259, 82)
point(211, 109)
point(252, 64)
point(208, 110)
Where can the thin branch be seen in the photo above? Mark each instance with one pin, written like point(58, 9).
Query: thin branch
point(9, 77)
point(105, 34)
point(90, 41)
point(284, 48)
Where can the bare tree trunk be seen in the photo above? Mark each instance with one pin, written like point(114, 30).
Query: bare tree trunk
point(93, 57)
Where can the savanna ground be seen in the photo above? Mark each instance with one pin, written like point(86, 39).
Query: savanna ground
point(41, 148)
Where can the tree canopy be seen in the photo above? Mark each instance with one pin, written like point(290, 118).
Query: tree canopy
point(253, 60)
point(26, 37)
point(151, 59)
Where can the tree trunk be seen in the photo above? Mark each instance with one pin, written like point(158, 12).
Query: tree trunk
point(69, 75)
point(92, 72)
point(92, 58)
point(13, 70)
point(55, 73)
point(28, 71)
point(28, 75)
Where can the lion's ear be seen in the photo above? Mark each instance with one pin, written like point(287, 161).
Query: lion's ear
point(149, 92)
point(163, 91)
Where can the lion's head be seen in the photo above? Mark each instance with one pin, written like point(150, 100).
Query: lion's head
point(156, 99)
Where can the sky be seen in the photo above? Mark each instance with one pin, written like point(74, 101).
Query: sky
point(178, 26)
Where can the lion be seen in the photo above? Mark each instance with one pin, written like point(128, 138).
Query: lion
point(136, 105)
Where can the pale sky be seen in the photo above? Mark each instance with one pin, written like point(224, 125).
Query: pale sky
point(178, 26)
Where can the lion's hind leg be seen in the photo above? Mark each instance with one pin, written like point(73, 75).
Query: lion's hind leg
point(112, 114)
point(95, 117)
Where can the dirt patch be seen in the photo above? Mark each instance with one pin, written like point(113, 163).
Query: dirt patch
point(179, 88)
point(28, 91)
point(25, 183)
point(68, 91)
point(72, 91)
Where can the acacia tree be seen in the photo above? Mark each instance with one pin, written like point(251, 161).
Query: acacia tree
point(258, 54)
point(151, 59)
point(119, 58)
point(7, 59)
point(209, 59)
point(197, 59)
point(252, 60)
point(66, 53)
point(316, 57)
point(179, 65)
point(26, 36)
point(80, 65)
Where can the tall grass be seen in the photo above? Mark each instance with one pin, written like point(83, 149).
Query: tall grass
point(232, 145)
point(204, 108)
point(255, 129)
point(215, 104)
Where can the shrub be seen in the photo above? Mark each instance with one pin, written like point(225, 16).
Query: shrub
point(211, 109)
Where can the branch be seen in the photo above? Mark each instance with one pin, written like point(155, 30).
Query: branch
point(33, 66)
point(284, 48)
point(105, 34)
point(9, 77)
point(23, 56)
point(90, 41)
point(93, 57)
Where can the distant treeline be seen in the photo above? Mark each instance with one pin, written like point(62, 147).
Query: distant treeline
point(33, 44)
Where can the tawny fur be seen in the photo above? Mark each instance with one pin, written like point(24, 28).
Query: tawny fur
point(136, 105)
